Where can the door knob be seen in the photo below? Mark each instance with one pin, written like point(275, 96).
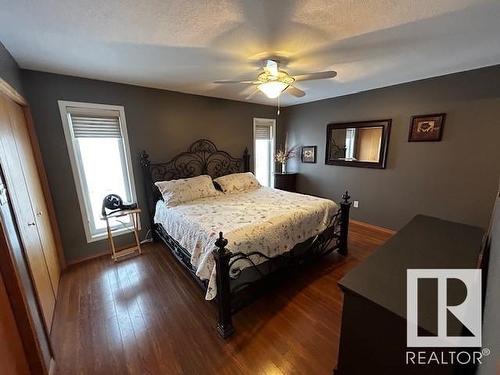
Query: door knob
point(31, 224)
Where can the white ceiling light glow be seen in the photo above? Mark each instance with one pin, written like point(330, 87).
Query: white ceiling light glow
point(273, 89)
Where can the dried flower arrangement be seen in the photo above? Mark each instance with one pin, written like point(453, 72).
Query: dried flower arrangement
point(283, 155)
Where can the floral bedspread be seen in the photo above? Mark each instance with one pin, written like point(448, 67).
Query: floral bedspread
point(263, 219)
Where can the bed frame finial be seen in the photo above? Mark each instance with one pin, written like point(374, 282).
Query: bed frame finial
point(222, 256)
point(346, 197)
point(221, 243)
point(144, 158)
point(345, 207)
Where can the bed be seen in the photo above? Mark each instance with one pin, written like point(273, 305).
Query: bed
point(234, 244)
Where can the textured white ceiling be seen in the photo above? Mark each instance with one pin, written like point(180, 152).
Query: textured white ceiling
point(184, 45)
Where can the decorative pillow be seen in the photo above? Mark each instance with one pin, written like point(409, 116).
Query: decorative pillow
point(237, 182)
point(175, 192)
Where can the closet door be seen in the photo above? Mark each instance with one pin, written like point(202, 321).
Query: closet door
point(20, 129)
point(25, 216)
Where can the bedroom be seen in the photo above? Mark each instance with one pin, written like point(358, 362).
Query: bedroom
point(90, 107)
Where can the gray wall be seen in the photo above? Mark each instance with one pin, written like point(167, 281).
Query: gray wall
point(455, 179)
point(162, 122)
point(9, 70)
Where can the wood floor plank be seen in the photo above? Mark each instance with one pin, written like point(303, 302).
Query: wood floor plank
point(144, 315)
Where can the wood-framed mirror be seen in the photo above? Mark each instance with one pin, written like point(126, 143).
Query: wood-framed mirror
point(358, 144)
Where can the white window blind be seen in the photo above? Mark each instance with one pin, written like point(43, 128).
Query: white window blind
point(96, 127)
point(263, 132)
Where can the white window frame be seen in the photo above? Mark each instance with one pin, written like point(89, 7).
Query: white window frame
point(78, 175)
point(273, 146)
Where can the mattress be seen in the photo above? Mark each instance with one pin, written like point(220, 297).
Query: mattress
point(267, 220)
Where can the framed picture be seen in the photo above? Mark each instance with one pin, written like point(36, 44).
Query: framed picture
point(426, 128)
point(308, 154)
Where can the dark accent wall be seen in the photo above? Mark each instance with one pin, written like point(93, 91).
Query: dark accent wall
point(455, 179)
point(163, 123)
point(9, 70)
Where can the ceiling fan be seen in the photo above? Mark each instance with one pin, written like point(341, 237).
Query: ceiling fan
point(273, 81)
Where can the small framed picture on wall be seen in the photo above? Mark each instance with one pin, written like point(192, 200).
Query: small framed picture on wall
point(426, 128)
point(308, 154)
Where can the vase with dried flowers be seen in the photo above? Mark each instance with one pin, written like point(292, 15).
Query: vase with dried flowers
point(285, 154)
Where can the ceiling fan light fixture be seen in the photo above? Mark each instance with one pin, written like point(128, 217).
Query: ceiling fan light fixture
point(273, 81)
point(273, 89)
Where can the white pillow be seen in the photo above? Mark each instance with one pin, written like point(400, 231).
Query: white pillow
point(175, 192)
point(237, 182)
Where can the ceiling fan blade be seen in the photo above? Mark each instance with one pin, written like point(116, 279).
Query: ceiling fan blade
point(229, 81)
point(252, 94)
point(317, 75)
point(292, 90)
point(249, 89)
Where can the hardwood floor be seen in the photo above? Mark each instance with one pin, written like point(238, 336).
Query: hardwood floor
point(145, 315)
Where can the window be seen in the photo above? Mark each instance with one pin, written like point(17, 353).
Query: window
point(264, 143)
point(96, 136)
point(350, 138)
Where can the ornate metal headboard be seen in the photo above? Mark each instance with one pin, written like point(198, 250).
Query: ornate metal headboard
point(202, 157)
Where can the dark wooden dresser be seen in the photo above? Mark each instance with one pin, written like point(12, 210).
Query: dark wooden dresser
point(285, 181)
point(373, 332)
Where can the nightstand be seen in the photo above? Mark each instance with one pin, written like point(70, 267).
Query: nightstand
point(134, 219)
point(285, 181)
